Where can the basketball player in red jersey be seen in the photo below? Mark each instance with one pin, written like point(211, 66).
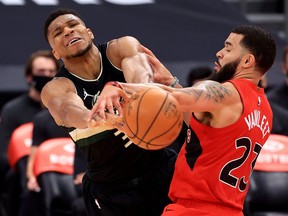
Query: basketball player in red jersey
point(230, 119)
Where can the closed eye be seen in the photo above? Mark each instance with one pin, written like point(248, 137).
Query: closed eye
point(57, 34)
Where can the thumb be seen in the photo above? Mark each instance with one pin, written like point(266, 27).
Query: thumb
point(148, 51)
point(125, 97)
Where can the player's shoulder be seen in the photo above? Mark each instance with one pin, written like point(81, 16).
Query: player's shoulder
point(123, 39)
point(122, 42)
point(59, 84)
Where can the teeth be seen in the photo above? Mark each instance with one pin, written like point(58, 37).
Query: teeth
point(72, 41)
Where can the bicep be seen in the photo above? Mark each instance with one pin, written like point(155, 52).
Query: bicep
point(136, 69)
point(127, 54)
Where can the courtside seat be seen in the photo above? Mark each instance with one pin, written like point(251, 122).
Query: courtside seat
point(53, 168)
point(15, 180)
point(268, 191)
point(19, 150)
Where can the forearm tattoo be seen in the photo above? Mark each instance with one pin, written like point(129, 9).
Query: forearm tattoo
point(216, 92)
point(211, 91)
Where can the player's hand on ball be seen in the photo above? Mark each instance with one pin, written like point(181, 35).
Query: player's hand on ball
point(110, 121)
point(108, 101)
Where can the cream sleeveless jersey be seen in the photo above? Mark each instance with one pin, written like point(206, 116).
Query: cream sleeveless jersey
point(214, 165)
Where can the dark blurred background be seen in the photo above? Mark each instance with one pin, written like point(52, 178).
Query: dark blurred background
point(182, 33)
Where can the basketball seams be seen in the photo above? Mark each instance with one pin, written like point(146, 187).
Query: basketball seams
point(155, 118)
point(136, 121)
point(137, 117)
point(165, 132)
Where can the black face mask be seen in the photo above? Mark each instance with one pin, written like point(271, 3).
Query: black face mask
point(38, 82)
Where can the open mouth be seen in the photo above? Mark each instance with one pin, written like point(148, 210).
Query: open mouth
point(216, 66)
point(74, 40)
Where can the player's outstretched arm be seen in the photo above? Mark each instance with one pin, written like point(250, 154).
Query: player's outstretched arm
point(205, 96)
point(66, 107)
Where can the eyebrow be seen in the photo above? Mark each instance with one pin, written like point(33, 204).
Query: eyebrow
point(59, 27)
point(56, 29)
point(228, 43)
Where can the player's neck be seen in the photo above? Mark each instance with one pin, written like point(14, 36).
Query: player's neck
point(87, 66)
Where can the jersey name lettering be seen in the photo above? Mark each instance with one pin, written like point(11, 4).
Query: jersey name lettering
point(256, 119)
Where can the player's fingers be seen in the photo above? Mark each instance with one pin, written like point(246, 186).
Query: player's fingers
point(126, 97)
point(148, 51)
point(153, 61)
point(98, 107)
point(100, 111)
point(109, 107)
point(93, 111)
point(96, 121)
point(119, 108)
point(114, 120)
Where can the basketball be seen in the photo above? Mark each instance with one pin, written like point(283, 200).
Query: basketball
point(153, 119)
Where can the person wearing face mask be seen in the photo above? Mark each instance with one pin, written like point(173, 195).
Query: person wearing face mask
point(40, 68)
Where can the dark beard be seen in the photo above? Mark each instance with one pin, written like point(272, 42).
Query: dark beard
point(80, 53)
point(226, 72)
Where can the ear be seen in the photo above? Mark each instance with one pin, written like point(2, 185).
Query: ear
point(249, 61)
point(56, 54)
point(90, 33)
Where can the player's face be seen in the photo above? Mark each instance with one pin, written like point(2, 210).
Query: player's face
point(228, 59)
point(69, 37)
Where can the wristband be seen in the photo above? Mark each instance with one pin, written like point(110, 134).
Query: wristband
point(175, 82)
point(114, 83)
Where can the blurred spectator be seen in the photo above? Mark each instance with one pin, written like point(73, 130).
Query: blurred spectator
point(41, 133)
point(40, 68)
point(31, 200)
point(197, 74)
point(280, 114)
point(279, 94)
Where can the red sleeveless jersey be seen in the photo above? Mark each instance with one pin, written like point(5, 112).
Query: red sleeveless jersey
point(214, 165)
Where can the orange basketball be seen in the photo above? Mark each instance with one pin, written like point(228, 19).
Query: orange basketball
point(153, 119)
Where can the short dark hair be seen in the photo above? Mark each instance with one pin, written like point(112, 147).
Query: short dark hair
point(260, 43)
point(56, 13)
point(40, 53)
